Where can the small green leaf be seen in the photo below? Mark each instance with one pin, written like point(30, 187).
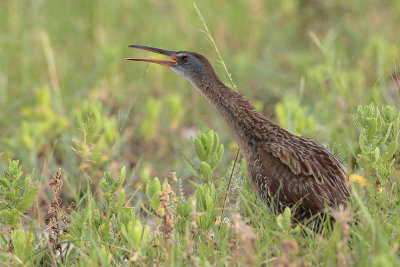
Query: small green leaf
point(120, 181)
point(155, 203)
point(27, 183)
point(389, 113)
point(203, 139)
point(103, 186)
point(121, 199)
point(200, 152)
point(215, 144)
point(390, 150)
point(279, 221)
point(363, 143)
point(388, 131)
point(109, 178)
point(153, 187)
point(372, 126)
point(287, 216)
point(27, 200)
point(210, 142)
point(206, 171)
point(376, 154)
point(122, 176)
point(137, 233)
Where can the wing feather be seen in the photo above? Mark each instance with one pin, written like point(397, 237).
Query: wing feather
point(300, 170)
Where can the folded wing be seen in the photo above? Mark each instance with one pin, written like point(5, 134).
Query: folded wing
point(301, 171)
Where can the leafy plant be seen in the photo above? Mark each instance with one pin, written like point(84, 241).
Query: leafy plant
point(41, 123)
point(293, 117)
point(379, 136)
point(153, 191)
point(135, 234)
point(109, 186)
point(209, 151)
point(206, 206)
point(184, 212)
point(284, 221)
point(16, 194)
point(113, 203)
point(97, 136)
point(22, 244)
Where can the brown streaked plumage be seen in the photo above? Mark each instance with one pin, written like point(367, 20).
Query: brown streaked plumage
point(292, 171)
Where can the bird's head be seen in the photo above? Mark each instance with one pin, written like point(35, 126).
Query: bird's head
point(192, 66)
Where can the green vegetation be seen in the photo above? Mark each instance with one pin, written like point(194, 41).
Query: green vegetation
point(68, 100)
point(15, 194)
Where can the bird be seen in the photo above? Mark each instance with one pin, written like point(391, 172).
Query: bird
point(285, 170)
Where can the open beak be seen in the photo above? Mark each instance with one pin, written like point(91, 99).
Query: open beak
point(167, 53)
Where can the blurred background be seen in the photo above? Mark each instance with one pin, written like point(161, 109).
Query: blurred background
point(68, 98)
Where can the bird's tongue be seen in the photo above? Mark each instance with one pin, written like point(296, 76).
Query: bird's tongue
point(152, 60)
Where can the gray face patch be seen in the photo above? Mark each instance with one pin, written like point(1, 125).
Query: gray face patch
point(192, 71)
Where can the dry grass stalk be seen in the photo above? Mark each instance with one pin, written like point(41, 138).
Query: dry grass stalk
point(168, 221)
point(58, 223)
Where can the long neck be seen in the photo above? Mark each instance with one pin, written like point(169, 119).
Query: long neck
point(247, 125)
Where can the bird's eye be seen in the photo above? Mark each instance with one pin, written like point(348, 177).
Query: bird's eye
point(185, 60)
